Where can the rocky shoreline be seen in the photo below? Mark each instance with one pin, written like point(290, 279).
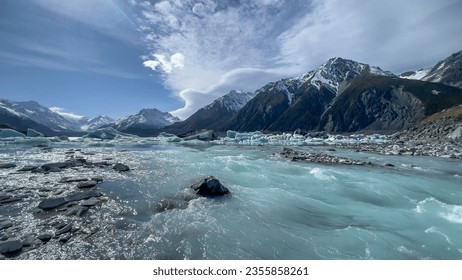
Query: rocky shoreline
point(47, 203)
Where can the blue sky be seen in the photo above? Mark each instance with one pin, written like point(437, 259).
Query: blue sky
point(114, 57)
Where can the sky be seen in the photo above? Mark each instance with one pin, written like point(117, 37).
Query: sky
point(115, 57)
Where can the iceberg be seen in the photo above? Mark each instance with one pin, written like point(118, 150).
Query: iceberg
point(10, 133)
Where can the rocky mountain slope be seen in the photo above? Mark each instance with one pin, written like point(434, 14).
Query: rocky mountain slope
point(146, 122)
point(447, 71)
point(343, 96)
point(215, 115)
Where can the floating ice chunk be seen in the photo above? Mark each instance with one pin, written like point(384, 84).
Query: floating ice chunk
point(33, 133)
point(231, 134)
point(10, 133)
point(107, 133)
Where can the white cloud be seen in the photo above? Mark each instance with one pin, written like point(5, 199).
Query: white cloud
point(68, 115)
point(166, 64)
point(151, 64)
point(205, 48)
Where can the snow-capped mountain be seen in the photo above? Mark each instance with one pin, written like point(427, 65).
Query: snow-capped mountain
point(216, 114)
point(96, 123)
point(49, 121)
point(144, 123)
point(40, 114)
point(342, 95)
point(11, 117)
point(232, 102)
point(299, 102)
point(447, 71)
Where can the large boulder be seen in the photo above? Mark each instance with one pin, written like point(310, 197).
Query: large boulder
point(10, 247)
point(209, 186)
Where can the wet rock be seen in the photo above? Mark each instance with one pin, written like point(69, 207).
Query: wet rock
point(121, 167)
point(209, 186)
point(28, 168)
point(10, 200)
point(72, 180)
point(51, 203)
point(7, 165)
point(97, 179)
point(45, 237)
point(28, 240)
point(10, 247)
point(6, 224)
point(76, 210)
point(91, 202)
point(63, 230)
point(88, 184)
point(389, 165)
point(164, 205)
point(4, 196)
point(65, 238)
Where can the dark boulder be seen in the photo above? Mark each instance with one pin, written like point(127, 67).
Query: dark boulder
point(10, 247)
point(87, 184)
point(6, 224)
point(121, 167)
point(51, 203)
point(45, 237)
point(67, 228)
point(7, 165)
point(209, 186)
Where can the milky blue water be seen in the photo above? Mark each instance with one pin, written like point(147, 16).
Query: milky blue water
point(278, 209)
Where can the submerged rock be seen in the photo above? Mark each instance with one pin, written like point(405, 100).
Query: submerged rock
point(209, 186)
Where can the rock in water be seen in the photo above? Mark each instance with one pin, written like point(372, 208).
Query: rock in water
point(88, 184)
point(6, 224)
point(209, 186)
point(10, 247)
point(7, 165)
point(51, 203)
point(121, 167)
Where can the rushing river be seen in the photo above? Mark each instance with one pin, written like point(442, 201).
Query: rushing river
point(278, 209)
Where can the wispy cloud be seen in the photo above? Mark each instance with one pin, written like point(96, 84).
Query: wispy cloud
point(243, 44)
point(74, 35)
point(67, 115)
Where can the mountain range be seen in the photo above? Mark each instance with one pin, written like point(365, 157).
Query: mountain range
point(340, 95)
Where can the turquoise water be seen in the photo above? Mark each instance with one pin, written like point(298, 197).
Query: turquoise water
point(278, 209)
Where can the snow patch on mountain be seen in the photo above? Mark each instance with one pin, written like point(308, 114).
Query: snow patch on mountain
point(416, 75)
point(152, 118)
point(233, 101)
